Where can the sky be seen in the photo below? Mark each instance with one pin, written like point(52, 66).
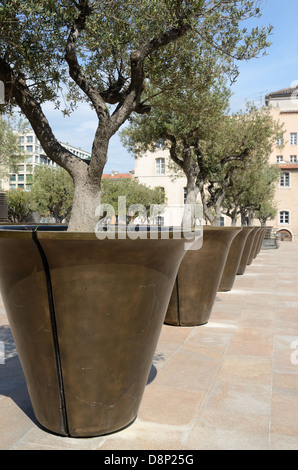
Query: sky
point(257, 77)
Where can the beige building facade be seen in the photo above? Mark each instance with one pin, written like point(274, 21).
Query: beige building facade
point(284, 109)
point(155, 169)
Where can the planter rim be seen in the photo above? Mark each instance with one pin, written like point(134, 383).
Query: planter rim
point(51, 232)
point(212, 227)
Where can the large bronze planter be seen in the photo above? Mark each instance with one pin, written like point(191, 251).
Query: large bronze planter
point(262, 233)
point(233, 259)
point(86, 315)
point(254, 245)
point(246, 251)
point(198, 278)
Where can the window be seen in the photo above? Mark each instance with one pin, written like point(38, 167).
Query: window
point(29, 139)
point(21, 178)
point(279, 158)
point(222, 221)
point(285, 179)
point(293, 158)
point(29, 148)
point(293, 138)
point(184, 195)
point(160, 220)
point(284, 217)
point(12, 178)
point(160, 166)
point(279, 140)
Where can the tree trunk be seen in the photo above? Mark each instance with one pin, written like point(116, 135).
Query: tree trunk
point(213, 217)
point(192, 192)
point(85, 203)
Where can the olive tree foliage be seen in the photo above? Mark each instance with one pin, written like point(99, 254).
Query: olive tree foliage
point(135, 193)
point(206, 143)
point(131, 197)
point(52, 189)
point(252, 194)
point(105, 52)
point(183, 121)
point(240, 148)
point(21, 206)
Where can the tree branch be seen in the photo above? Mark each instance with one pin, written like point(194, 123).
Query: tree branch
point(75, 70)
point(17, 88)
point(173, 152)
point(131, 101)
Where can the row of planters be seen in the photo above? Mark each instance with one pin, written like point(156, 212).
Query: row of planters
point(86, 314)
point(225, 253)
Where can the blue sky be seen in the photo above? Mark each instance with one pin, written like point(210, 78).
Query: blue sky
point(277, 70)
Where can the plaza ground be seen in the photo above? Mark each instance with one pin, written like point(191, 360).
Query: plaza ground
point(228, 385)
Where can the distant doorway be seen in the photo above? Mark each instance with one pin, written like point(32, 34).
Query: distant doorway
point(285, 235)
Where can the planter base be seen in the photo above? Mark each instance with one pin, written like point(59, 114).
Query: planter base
point(86, 315)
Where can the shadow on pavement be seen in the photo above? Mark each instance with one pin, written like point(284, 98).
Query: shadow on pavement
point(12, 381)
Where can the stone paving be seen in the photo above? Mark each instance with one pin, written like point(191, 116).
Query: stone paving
point(228, 385)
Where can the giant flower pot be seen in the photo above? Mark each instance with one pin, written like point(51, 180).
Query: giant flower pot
point(260, 241)
point(233, 259)
point(86, 315)
point(198, 278)
point(257, 243)
point(254, 245)
point(246, 251)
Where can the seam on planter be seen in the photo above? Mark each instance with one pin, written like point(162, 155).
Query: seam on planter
point(54, 330)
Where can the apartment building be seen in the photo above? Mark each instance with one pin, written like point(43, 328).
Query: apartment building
point(35, 156)
point(283, 106)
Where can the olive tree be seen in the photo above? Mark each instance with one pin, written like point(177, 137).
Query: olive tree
point(252, 193)
point(106, 52)
point(52, 190)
